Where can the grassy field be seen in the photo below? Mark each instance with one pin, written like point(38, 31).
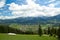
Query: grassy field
point(25, 37)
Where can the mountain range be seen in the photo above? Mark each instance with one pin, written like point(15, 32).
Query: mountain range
point(32, 20)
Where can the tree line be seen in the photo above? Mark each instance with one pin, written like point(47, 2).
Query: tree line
point(51, 31)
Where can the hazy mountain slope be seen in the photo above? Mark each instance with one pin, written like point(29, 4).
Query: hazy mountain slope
point(32, 20)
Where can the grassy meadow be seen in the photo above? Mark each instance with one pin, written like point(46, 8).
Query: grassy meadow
point(25, 37)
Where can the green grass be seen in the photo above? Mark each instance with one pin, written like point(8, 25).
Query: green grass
point(25, 37)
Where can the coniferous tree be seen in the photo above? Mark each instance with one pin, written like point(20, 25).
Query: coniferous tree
point(53, 31)
point(40, 31)
point(58, 33)
point(49, 31)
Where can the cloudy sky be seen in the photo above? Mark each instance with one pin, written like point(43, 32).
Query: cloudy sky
point(28, 8)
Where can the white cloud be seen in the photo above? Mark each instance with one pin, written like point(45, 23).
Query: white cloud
point(52, 1)
point(8, 17)
point(51, 5)
point(2, 3)
point(32, 9)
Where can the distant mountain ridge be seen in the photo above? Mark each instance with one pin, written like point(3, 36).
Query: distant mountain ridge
point(32, 20)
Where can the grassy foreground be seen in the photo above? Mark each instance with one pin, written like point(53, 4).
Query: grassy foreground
point(25, 37)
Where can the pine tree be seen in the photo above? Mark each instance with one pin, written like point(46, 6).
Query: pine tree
point(40, 31)
point(53, 31)
point(49, 31)
point(58, 33)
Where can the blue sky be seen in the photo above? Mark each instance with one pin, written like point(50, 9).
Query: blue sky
point(28, 8)
point(16, 1)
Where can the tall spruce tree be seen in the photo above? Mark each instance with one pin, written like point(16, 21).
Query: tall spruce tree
point(40, 30)
point(58, 33)
point(49, 31)
point(53, 31)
